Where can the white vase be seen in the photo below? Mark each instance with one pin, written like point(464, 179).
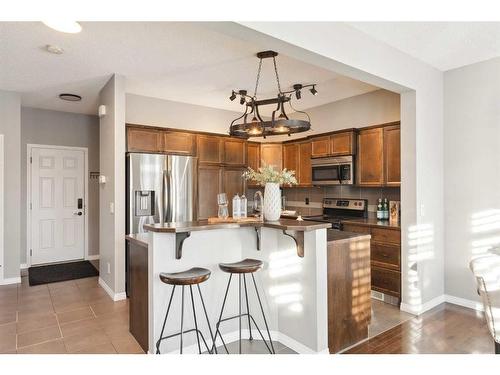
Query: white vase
point(272, 201)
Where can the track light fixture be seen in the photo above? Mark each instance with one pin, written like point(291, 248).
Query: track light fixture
point(314, 91)
point(280, 123)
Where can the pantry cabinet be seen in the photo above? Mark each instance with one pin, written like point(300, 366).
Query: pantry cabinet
point(234, 151)
point(210, 149)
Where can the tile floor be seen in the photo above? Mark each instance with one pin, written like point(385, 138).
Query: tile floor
point(385, 317)
point(67, 317)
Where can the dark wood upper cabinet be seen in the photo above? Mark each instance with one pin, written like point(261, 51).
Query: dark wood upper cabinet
point(343, 144)
point(179, 143)
point(209, 185)
point(304, 173)
point(253, 159)
point(232, 184)
point(143, 140)
point(209, 149)
point(291, 157)
point(370, 157)
point(392, 151)
point(271, 154)
point(234, 151)
point(320, 147)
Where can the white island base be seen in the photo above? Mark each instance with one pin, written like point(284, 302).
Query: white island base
point(293, 289)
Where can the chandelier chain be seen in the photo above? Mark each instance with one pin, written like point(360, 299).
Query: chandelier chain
point(277, 76)
point(258, 77)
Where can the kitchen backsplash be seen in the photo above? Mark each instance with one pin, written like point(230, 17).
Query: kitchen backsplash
point(296, 197)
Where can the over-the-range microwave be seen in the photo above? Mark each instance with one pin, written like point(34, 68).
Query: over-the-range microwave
point(333, 171)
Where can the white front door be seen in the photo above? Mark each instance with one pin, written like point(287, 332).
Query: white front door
point(57, 205)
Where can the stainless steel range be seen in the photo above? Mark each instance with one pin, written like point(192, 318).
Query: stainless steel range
point(335, 210)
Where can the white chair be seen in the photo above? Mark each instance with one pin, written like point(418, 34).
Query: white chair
point(486, 269)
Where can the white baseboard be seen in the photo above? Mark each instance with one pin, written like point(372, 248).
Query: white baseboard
point(114, 296)
point(234, 336)
point(423, 307)
point(10, 280)
point(92, 257)
point(24, 266)
point(419, 309)
point(474, 305)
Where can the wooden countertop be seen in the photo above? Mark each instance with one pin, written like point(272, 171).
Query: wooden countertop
point(200, 225)
point(140, 239)
point(334, 235)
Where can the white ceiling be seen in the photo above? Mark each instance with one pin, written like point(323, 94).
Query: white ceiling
point(183, 62)
point(444, 45)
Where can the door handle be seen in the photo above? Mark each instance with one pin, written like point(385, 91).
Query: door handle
point(79, 213)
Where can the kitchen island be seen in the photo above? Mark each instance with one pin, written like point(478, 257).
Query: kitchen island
point(293, 282)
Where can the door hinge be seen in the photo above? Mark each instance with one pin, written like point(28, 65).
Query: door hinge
point(31, 159)
point(31, 206)
point(31, 252)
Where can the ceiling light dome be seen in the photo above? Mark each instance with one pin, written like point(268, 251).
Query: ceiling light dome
point(279, 124)
point(71, 27)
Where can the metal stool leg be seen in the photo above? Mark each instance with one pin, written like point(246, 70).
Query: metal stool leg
point(195, 321)
point(164, 321)
point(182, 317)
point(206, 316)
point(263, 315)
point(248, 309)
point(239, 309)
point(220, 317)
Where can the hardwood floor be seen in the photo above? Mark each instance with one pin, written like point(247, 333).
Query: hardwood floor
point(445, 329)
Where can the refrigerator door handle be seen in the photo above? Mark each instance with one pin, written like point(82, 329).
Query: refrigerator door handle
point(167, 202)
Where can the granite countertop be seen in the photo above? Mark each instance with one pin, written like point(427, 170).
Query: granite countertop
point(371, 221)
point(191, 226)
point(140, 239)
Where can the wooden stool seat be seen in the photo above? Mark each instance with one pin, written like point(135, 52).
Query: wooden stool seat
point(245, 266)
point(195, 275)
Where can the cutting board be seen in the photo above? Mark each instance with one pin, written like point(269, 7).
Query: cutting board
point(217, 220)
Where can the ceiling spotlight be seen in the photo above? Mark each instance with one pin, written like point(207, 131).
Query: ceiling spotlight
point(56, 50)
point(70, 97)
point(233, 96)
point(63, 26)
point(297, 87)
point(314, 91)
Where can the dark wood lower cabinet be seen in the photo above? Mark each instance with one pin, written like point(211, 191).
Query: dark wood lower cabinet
point(138, 293)
point(349, 300)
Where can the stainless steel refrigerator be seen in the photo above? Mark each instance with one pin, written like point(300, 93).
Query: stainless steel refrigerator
point(160, 188)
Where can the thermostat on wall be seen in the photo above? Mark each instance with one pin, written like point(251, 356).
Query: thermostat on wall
point(102, 110)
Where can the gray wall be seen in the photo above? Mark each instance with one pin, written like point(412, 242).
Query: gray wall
point(10, 127)
point(472, 170)
point(46, 127)
point(145, 110)
point(112, 165)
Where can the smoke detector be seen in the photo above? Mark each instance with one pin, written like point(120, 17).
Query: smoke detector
point(56, 50)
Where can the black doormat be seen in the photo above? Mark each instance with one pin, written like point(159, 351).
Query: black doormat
point(61, 272)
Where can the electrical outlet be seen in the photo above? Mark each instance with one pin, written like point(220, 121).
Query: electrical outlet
point(307, 200)
point(109, 268)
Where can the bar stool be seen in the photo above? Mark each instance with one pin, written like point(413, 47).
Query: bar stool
point(193, 276)
point(242, 268)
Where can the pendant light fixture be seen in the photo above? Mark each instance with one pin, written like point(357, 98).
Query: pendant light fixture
point(251, 124)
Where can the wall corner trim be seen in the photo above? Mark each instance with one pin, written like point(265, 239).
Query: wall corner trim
point(114, 296)
point(421, 308)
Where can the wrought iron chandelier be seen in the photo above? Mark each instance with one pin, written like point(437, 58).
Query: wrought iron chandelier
point(280, 123)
